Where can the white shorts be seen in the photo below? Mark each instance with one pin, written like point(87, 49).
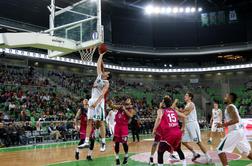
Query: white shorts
point(235, 139)
point(214, 128)
point(192, 132)
point(97, 113)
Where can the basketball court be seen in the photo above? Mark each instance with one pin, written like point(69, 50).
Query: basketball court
point(62, 154)
point(78, 29)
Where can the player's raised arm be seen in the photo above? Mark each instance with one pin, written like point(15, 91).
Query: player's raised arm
point(100, 66)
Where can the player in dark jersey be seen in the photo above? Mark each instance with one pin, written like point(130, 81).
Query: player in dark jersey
point(171, 134)
point(82, 116)
point(125, 112)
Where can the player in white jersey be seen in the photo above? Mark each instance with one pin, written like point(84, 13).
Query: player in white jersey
point(110, 119)
point(192, 129)
point(236, 137)
point(96, 110)
point(215, 119)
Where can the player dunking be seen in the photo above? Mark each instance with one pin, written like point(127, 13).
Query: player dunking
point(192, 129)
point(124, 113)
point(236, 137)
point(96, 110)
point(157, 136)
point(167, 126)
point(215, 119)
point(82, 115)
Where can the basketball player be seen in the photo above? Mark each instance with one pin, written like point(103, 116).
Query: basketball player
point(236, 137)
point(157, 136)
point(124, 113)
point(167, 126)
point(82, 115)
point(192, 129)
point(110, 119)
point(215, 119)
point(96, 110)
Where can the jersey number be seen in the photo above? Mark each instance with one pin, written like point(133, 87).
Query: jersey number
point(172, 118)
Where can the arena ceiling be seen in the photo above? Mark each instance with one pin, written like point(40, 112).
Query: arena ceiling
point(35, 13)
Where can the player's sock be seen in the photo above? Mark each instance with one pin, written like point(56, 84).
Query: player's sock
point(210, 139)
point(103, 140)
point(77, 154)
point(87, 140)
point(117, 156)
point(184, 162)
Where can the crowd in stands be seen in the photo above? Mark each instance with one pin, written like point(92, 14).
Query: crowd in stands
point(33, 104)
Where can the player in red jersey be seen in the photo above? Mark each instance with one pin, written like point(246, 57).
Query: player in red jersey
point(82, 115)
point(157, 136)
point(168, 127)
point(125, 112)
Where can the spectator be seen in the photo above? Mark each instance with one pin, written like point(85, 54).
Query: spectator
point(135, 125)
point(53, 131)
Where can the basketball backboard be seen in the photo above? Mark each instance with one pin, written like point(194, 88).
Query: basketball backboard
point(72, 29)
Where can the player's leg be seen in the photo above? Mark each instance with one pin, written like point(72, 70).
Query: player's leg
point(90, 116)
point(126, 150)
point(161, 150)
point(185, 141)
point(243, 146)
point(103, 136)
point(90, 150)
point(77, 153)
point(153, 150)
point(196, 134)
point(228, 144)
point(117, 149)
point(101, 112)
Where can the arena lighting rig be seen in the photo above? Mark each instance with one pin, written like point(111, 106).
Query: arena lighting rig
point(122, 68)
point(157, 10)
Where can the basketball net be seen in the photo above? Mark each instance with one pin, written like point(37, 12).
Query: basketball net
point(87, 54)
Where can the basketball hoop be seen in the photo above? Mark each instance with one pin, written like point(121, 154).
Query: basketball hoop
point(87, 54)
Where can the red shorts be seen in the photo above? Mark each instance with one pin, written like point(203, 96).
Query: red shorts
point(157, 138)
point(121, 133)
point(173, 139)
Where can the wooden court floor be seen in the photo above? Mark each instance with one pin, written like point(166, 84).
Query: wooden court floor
point(49, 155)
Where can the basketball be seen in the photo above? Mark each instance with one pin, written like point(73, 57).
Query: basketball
point(102, 48)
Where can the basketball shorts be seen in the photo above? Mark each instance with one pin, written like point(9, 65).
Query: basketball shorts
point(192, 132)
point(97, 113)
point(157, 138)
point(171, 140)
point(214, 128)
point(235, 139)
point(121, 133)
